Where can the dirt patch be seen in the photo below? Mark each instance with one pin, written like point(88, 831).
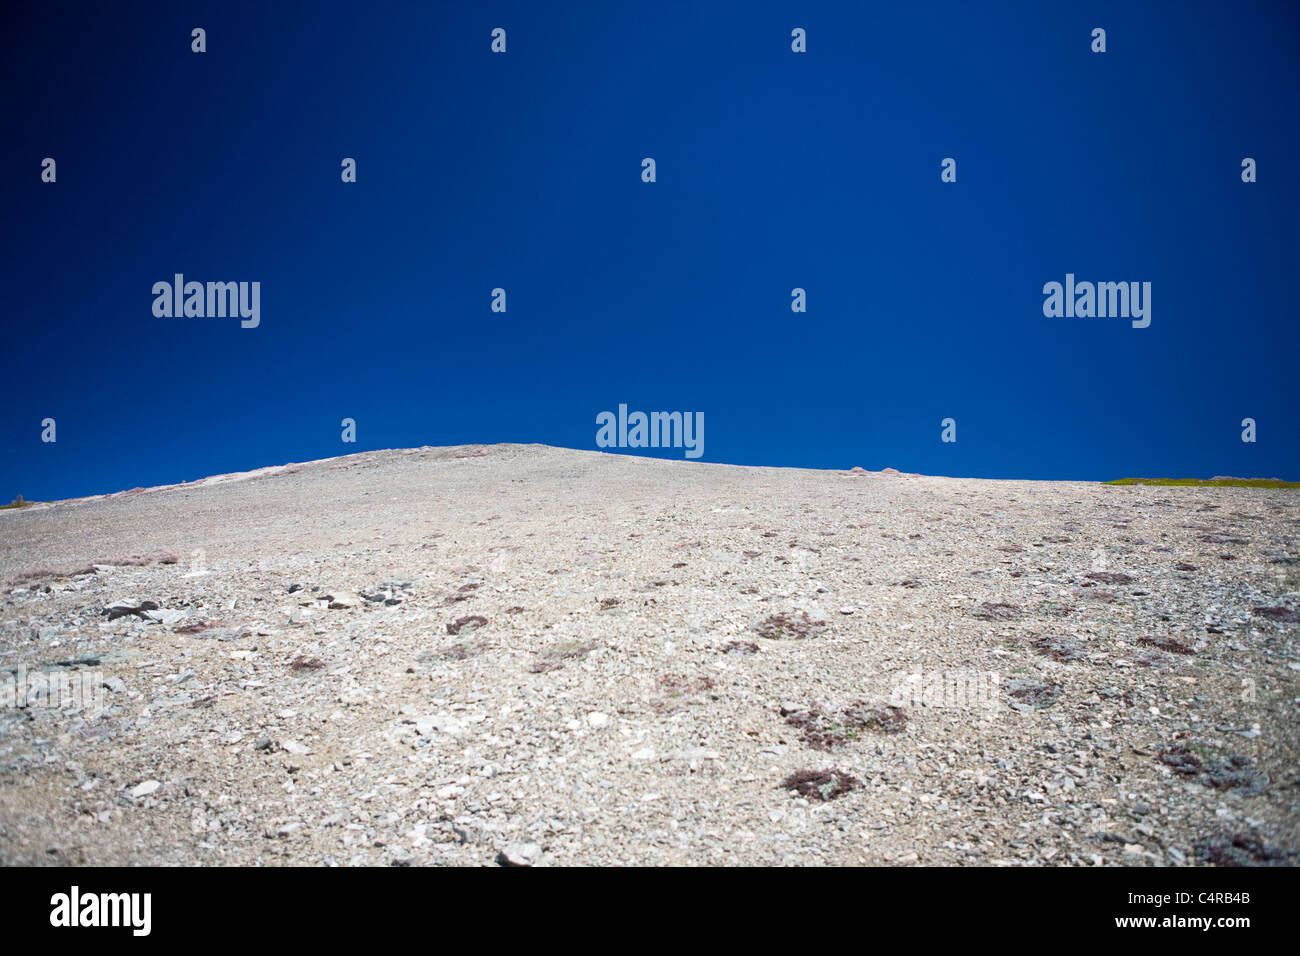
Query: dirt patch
point(462, 651)
point(462, 593)
point(826, 731)
point(740, 647)
point(1221, 539)
point(792, 626)
point(1221, 771)
point(997, 611)
point(470, 622)
point(554, 658)
point(1033, 693)
point(1171, 644)
point(1284, 614)
point(1058, 647)
point(676, 692)
point(820, 784)
point(1239, 849)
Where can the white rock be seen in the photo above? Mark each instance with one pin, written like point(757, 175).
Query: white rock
point(597, 719)
point(293, 747)
point(167, 618)
point(146, 788)
point(442, 724)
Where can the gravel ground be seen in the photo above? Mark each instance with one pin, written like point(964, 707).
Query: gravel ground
point(536, 656)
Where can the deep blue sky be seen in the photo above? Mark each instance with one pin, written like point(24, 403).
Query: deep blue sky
point(775, 170)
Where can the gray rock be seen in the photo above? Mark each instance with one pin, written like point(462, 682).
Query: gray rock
point(519, 854)
point(125, 606)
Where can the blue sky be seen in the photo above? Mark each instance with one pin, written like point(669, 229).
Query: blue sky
point(775, 170)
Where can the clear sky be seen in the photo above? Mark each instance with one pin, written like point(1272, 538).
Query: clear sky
point(775, 170)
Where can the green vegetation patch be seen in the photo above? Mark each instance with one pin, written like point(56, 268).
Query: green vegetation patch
point(1209, 482)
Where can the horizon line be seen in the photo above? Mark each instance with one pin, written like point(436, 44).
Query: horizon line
point(268, 470)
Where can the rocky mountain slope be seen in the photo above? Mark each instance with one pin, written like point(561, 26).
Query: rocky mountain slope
point(535, 656)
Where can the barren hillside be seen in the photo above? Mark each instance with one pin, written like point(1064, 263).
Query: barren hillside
point(437, 656)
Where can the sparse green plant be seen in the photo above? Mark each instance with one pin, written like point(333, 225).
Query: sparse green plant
point(1208, 482)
